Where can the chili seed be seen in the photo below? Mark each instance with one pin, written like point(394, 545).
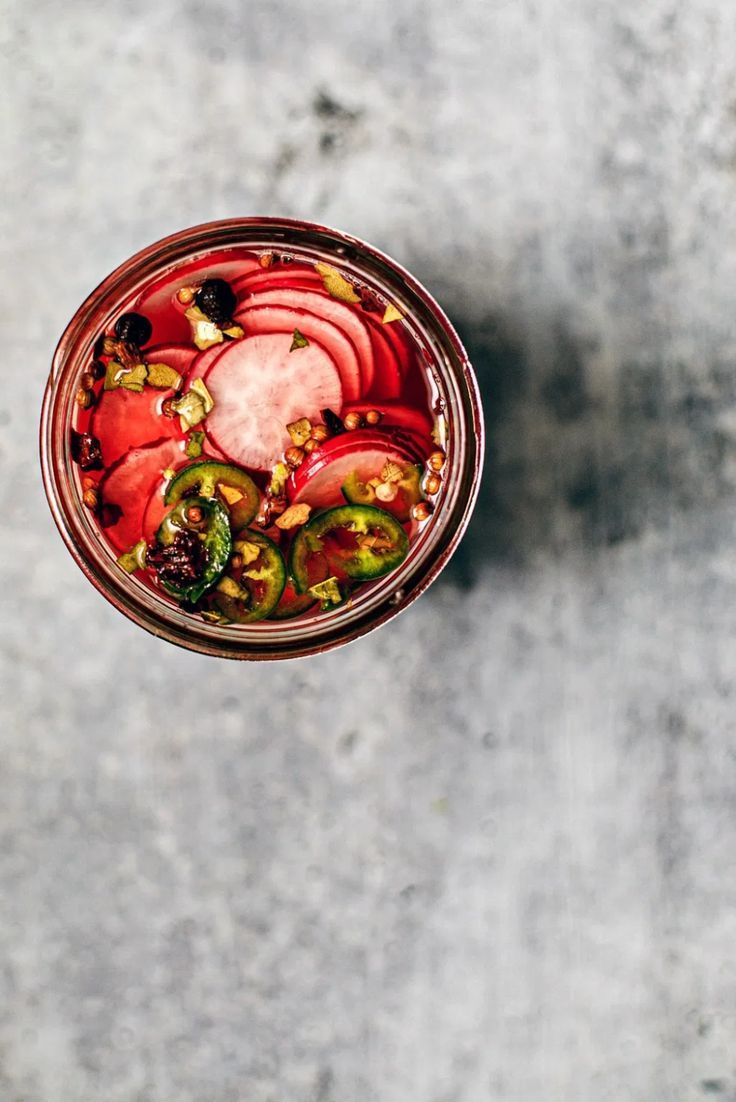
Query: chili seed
point(386, 491)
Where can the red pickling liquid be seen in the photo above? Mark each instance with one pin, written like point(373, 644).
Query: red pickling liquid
point(353, 363)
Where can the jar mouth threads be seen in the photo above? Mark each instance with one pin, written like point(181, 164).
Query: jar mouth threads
point(455, 398)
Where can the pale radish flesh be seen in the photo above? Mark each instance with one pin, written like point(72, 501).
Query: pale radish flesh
point(257, 319)
point(336, 312)
point(259, 387)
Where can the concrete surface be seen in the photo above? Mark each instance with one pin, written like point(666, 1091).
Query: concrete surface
point(488, 853)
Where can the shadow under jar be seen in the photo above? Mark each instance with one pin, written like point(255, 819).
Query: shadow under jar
point(399, 394)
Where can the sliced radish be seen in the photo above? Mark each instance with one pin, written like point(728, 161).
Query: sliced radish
point(396, 413)
point(331, 310)
point(160, 305)
point(124, 420)
point(130, 484)
point(259, 387)
point(155, 511)
point(388, 377)
point(203, 361)
point(178, 356)
point(265, 278)
point(397, 336)
point(280, 319)
point(319, 480)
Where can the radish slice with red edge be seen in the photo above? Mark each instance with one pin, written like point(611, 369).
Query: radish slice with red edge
point(178, 356)
point(318, 481)
point(203, 361)
point(395, 413)
point(281, 319)
point(259, 387)
point(275, 276)
point(388, 377)
point(123, 420)
point(331, 310)
point(129, 485)
point(396, 335)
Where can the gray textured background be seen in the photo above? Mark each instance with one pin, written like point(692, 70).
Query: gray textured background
point(487, 853)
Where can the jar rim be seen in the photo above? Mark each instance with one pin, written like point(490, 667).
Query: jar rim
point(432, 548)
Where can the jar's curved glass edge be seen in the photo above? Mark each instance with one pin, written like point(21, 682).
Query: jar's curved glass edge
point(356, 629)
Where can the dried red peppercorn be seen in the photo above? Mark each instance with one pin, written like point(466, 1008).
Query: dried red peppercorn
point(180, 563)
point(86, 451)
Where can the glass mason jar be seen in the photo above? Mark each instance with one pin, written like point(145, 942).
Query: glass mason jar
point(455, 395)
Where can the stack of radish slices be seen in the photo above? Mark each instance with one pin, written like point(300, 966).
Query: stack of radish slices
point(303, 351)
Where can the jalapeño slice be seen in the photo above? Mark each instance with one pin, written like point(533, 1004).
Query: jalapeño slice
point(208, 478)
point(292, 603)
point(212, 529)
point(252, 591)
point(359, 542)
point(408, 493)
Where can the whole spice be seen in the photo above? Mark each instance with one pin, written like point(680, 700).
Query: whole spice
point(86, 451)
point(91, 498)
point(294, 457)
point(180, 563)
point(432, 483)
point(86, 380)
point(84, 398)
point(194, 514)
point(332, 421)
point(97, 369)
point(352, 421)
point(421, 511)
point(436, 460)
point(372, 416)
point(310, 445)
point(320, 433)
point(217, 300)
point(134, 329)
